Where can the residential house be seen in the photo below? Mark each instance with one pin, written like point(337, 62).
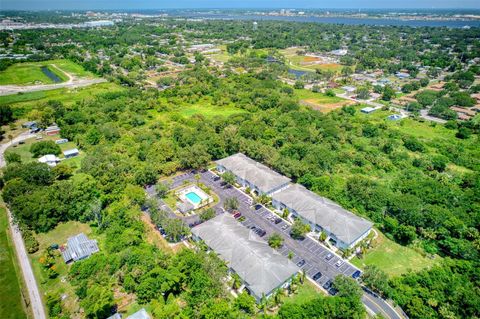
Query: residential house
point(49, 159)
point(78, 247)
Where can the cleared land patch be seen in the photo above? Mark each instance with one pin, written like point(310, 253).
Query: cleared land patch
point(393, 258)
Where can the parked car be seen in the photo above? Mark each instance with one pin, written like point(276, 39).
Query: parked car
point(339, 263)
point(356, 274)
point(233, 212)
point(278, 220)
point(216, 178)
point(284, 227)
point(237, 215)
point(327, 285)
point(328, 257)
point(332, 291)
point(301, 263)
point(258, 206)
point(317, 276)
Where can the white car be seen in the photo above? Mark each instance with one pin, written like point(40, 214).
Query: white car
point(339, 263)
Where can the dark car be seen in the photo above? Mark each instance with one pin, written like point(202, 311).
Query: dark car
point(237, 215)
point(327, 285)
point(278, 220)
point(356, 274)
point(216, 178)
point(332, 291)
point(258, 206)
point(301, 263)
point(317, 276)
point(328, 257)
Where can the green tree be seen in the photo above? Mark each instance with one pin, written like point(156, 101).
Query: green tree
point(245, 302)
point(44, 147)
point(299, 229)
point(98, 302)
point(275, 241)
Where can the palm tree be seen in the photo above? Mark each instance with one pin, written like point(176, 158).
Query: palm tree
point(346, 253)
point(197, 178)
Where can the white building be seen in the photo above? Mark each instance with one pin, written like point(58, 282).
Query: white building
point(262, 269)
point(249, 173)
point(344, 228)
point(49, 159)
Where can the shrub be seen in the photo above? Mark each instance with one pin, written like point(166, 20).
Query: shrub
point(44, 147)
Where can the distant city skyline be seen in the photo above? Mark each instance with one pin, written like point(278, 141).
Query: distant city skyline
point(225, 4)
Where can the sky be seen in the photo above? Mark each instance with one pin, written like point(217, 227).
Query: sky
point(169, 4)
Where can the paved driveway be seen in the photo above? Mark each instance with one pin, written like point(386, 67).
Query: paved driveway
point(309, 254)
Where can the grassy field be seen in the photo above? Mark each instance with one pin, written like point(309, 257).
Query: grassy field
point(29, 73)
point(320, 101)
point(307, 63)
point(64, 95)
point(306, 292)
point(11, 304)
point(393, 258)
point(59, 285)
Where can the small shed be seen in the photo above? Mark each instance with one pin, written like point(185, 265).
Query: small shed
point(52, 130)
point(61, 141)
point(368, 110)
point(71, 153)
point(49, 159)
point(394, 117)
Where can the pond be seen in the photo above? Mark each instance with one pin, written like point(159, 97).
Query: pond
point(52, 76)
point(297, 73)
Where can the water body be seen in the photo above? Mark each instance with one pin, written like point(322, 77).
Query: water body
point(338, 20)
point(52, 76)
point(297, 73)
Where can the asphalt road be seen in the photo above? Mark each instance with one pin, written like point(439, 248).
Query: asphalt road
point(13, 89)
point(308, 253)
point(30, 282)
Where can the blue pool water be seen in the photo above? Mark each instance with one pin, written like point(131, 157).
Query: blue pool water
point(193, 197)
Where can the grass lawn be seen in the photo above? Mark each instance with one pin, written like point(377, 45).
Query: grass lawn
point(24, 151)
point(29, 73)
point(320, 101)
point(305, 293)
point(64, 95)
point(203, 108)
point(59, 285)
point(11, 303)
point(393, 258)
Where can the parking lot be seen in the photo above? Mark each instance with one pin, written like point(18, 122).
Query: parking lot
point(318, 262)
point(308, 254)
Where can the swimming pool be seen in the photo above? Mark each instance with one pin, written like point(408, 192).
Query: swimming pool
point(193, 197)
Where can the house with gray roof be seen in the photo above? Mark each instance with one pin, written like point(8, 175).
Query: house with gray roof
point(78, 247)
point(261, 269)
point(343, 227)
point(250, 173)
